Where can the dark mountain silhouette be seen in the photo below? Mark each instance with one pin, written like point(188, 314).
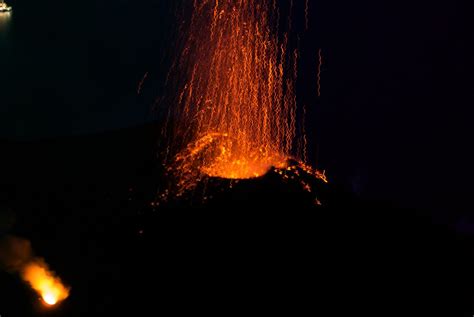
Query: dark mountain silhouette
point(262, 246)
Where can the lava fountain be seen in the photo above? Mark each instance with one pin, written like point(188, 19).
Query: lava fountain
point(235, 115)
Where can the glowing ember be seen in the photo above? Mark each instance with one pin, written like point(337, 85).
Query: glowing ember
point(235, 115)
point(45, 283)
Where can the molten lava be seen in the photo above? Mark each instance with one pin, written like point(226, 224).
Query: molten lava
point(235, 115)
point(48, 286)
point(220, 156)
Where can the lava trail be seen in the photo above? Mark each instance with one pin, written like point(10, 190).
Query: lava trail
point(236, 114)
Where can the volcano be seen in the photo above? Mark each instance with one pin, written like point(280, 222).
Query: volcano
point(88, 203)
point(294, 186)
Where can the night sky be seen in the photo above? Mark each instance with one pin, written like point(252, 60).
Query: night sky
point(392, 123)
point(397, 108)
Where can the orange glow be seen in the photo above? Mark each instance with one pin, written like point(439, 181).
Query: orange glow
point(220, 156)
point(235, 115)
point(49, 287)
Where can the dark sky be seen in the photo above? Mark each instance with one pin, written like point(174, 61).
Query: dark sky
point(396, 114)
point(67, 70)
point(393, 120)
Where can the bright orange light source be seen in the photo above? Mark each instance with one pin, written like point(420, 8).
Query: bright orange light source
point(43, 281)
point(50, 299)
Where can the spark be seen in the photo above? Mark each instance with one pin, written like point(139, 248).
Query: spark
point(305, 138)
point(320, 65)
point(306, 14)
point(140, 84)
